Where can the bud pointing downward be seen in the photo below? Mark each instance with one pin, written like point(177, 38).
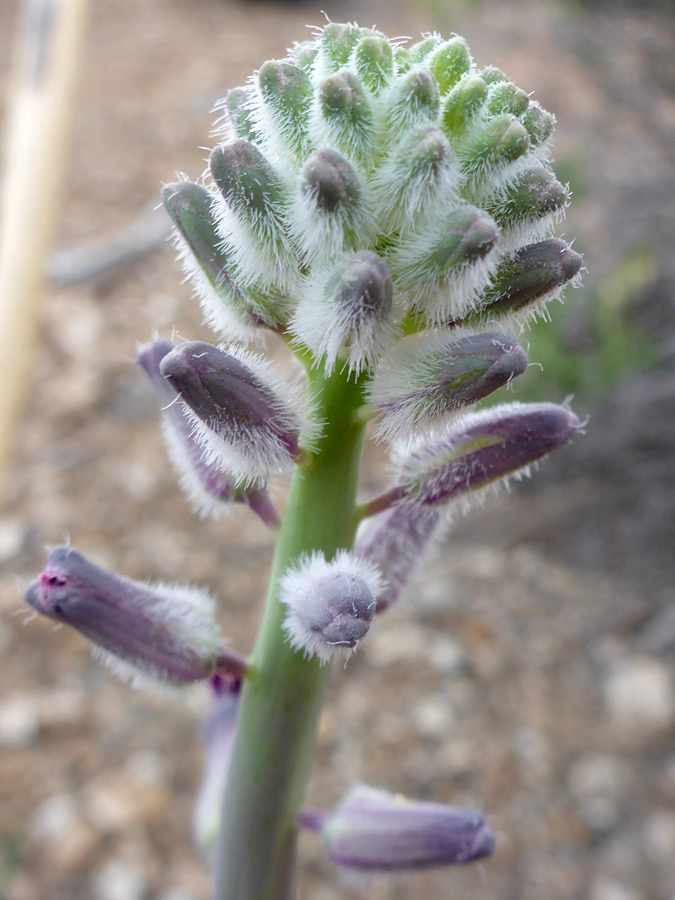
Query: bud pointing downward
point(163, 631)
point(240, 412)
point(330, 604)
point(372, 830)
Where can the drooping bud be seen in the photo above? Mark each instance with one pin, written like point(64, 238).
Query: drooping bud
point(167, 632)
point(209, 488)
point(412, 102)
point(372, 830)
point(241, 412)
point(446, 265)
point(397, 541)
point(330, 214)
point(424, 381)
point(449, 62)
point(500, 141)
point(250, 212)
point(219, 732)
point(422, 50)
point(462, 105)
point(374, 62)
point(492, 75)
point(345, 118)
point(418, 180)
point(237, 120)
point(330, 604)
point(538, 123)
point(506, 97)
point(481, 449)
point(535, 195)
point(286, 92)
point(346, 313)
point(523, 284)
point(228, 306)
point(337, 42)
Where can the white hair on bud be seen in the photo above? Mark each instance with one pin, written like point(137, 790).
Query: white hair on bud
point(356, 144)
point(403, 387)
point(297, 590)
point(440, 296)
point(254, 455)
point(325, 327)
point(407, 115)
point(405, 199)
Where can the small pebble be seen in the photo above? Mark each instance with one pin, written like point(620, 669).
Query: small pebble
point(640, 696)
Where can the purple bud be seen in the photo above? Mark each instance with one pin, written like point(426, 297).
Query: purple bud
point(242, 418)
point(396, 541)
point(219, 733)
point(164, 631)
point(208, 487)
point(421, 381)
point(330, 604)
point(484, 448)
point(372, 830)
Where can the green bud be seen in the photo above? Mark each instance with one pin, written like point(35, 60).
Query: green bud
point(337, 43)
point(330, 180)
point(533, 274)
point(287, 92)
point(491, 75)
point(538, 123)
point(347, 113)
point(247, 181)
point(403, 60)
point(449, 62)
point(506, 97)
point(467, 235)
point(414, 100)
point(534, 194)
point(304, 53)
point(424, 48)
point(374, 61)
point(502, 140)
point(462, 105)
point(238, 115)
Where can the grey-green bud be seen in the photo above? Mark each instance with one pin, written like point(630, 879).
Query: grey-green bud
point(337, 43)
point(414, 100)
point(247, 181)
point(347, 114)
point(330, 180)
point(374, 62)
point(502, 140)
point(535, 194)
point(237, 112)
point(491, 75)
point(538, 123)
point(462, 105)
point(467, 234)
point(449, 62)
point(506, 97)
point(287, 92)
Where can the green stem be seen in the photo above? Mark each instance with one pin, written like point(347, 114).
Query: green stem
point(283, 693)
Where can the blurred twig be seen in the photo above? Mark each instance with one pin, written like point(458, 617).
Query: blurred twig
point(48, 45)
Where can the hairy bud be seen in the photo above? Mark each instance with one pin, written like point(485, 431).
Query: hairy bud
point(165, 631)
point(506, 97)
point(374, 62)
point(330, 604)
point(241, 412)
point(534, 196)
point(345, 118)
point(237, 120)
point(462, 105)
point(421, 382)
point(286, 92)
point(346, 314)
point(501, 141)
point(372, 830)
point(538, 123)
point(450, 62)
point(413, 102)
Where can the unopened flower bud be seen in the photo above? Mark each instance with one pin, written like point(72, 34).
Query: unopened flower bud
point(229, 307)
point(446, 265)
point(534, 195)
point(422, 50)
point(287, 95)
point(330, 604)
point(423, 381)
point(492, 75)
point(538, 123)
point(502, 140)
point(372, 830)
point(304, 54)
point(219, 731)
point(412, 102)
point(208, 487)
point(346, 313)
point(241, 413)
point(482, 448)
point(403, 60)
point(374, 62)
point(417, 180)
point(337, 42)
point(164, 631)
point(449, 62)
point(462, 105)
point(329, 214)
point(506, 97)
point(523, 284)
point(237, 121)
point(397, 541)
point(250, 211)
point(346, 120)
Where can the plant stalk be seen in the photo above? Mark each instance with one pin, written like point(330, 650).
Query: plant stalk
point(284, 691)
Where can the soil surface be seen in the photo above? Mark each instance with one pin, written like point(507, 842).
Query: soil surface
point(529, 673)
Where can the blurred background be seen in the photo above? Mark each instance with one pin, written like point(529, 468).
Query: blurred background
point(532, 673)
